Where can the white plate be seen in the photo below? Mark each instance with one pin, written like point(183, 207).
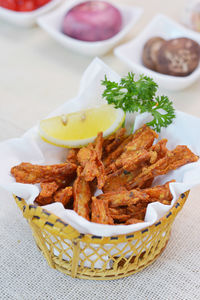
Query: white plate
point(131, 52)
point(51, 23)
point(26, 19)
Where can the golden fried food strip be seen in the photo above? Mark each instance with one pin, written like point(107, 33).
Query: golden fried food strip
point(108, 140)
point(95, 168)
point(90, 170)
point(72, 156)
point(160, 193)
point(117, 152)
point(112, 142)
point(178, 157)
point(118, 210)
point(142, 138)
point(119, 179)
point(99, 145)
point(50, 193)
point(174, 159)
point(100, 212)
point(28, 173)
point(63, 195)
point(131, 160)
point(147, 183)
point(111, 169)
point(101, 177)
point(92, 151)
point(119, 214)
point(90, 159)
point(124, 198)
point(82, 195)
point(46, 195)
point(123, 214)
point(85, 154)
point(133, 221)
point(48, 188)
point(138, 211)
point(158, 151)
point(120, 218)
point(44, 200)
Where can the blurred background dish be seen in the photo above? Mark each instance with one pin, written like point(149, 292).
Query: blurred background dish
point(25, 13)
point(23, 5)
point(52, 24)
point(163, 27)
point(92, 21)
point(191, 15)
point(177, 57)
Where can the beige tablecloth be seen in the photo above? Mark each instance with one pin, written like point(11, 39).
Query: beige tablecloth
point(37, 75)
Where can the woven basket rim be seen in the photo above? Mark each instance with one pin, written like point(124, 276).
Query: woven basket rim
point(43, 218)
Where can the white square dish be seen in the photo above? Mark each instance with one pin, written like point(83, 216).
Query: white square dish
point(131, 52)
point(26, 19)
point(51, 23)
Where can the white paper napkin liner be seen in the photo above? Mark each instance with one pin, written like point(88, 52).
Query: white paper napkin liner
point(30, 148)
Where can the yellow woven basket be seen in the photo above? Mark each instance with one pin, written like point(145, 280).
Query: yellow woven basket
point(97, 257)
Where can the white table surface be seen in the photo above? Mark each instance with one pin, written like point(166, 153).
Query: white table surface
point(36, 76)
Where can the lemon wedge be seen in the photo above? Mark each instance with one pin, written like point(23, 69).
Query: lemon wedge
point(80, 128)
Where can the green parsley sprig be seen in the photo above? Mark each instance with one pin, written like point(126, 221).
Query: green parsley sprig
point(140, 96)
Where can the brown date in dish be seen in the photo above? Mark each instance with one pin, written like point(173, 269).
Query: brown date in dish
point(178, 57)
point(150, 51)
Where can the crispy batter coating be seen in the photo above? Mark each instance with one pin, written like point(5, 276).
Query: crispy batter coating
point(174, 159)
point(63, 195)
point(82, 195)
point(99, 145)
point(48, 188)
point(178, 157)
point(160, 193)
point(131, 160)
point(138, 211)
point(50, 193)
point(95, 169)
point(43, 200)
point(133, 221)
point(125, 154)
point(147, 183)
point(124, 198)
point(119, 179)
point(159, 150)
point(100, 212)
point(120, 218)
point(72, 156)
point(142, 138)
point(118, 210)
point(117, 152)
point(46, 195)
point(84, 155)
point(113, 141)
point(28, 173)
point(90, 159)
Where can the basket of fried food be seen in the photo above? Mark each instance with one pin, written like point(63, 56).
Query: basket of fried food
point(109, 182)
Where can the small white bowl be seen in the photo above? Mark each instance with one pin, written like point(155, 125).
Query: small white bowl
point(26, 19)
point(131, 52)
point(51, 23)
